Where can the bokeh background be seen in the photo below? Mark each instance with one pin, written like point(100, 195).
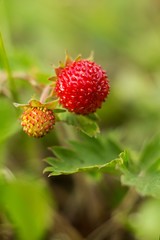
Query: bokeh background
point(125, 38)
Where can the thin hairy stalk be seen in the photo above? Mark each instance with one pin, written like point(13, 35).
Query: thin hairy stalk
point(45, 94)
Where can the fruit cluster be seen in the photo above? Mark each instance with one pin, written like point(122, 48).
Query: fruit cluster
point(81, 86)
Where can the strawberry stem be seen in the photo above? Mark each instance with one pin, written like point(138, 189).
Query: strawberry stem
point(45, 93)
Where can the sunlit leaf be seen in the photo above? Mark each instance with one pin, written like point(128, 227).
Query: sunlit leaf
point(98, 154)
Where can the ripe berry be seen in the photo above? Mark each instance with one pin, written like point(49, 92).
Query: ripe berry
point(82, 86)
point(37, 121)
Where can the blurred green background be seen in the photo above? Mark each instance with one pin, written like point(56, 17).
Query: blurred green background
point(125, 37)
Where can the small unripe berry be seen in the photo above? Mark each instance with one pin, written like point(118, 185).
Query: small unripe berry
point(37, 121)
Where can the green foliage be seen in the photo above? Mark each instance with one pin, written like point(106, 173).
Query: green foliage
point(144, 174)
point(86, 124)
point(145, 222)
point(27, 206)
point(91, 154)
point(8, 120)
point(125, 37)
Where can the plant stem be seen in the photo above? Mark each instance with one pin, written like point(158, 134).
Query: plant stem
point(45, 94)
point(115, 222)
point(8, 69)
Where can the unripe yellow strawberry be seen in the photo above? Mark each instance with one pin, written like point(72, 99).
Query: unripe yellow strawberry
point(37, 121)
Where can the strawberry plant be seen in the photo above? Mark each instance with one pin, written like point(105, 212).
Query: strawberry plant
point(79, 141)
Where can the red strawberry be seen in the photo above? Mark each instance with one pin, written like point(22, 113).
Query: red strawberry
point(37, 121)
point(82, 86)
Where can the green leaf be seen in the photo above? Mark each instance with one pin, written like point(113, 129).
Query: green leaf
point(17, 105)
point(6, 65)
point(145, 174)
point(59, 110)
point(27, 205)
point(150, 153)
point(35, 103)
point(6, 176)
point(85, 124)
point(8, 120)
point(145, 222)
point(98, 154)
point(93, 116)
